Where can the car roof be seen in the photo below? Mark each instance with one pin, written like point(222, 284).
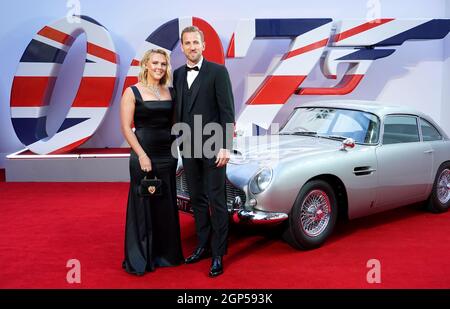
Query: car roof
point(378, 108)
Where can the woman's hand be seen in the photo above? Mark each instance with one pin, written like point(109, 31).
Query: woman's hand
point(146, 164)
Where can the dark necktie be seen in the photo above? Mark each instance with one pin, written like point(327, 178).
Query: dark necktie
point(192, 69)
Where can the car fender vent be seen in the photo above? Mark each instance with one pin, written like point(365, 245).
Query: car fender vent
point(363, 170)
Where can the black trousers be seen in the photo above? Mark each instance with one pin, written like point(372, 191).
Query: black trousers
point(206, 184)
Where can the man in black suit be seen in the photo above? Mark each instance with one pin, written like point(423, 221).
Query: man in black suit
point(204, 98)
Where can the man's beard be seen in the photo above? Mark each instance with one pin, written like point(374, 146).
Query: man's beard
point(195, 58)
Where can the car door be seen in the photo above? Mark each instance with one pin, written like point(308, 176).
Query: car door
point(434, 140)
point(404, 163)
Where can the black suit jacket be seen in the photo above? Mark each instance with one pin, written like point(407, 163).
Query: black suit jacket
point(211, 97)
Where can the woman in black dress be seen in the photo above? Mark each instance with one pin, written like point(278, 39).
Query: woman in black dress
point(152, 232)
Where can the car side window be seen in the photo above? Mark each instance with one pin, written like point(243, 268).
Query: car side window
point(429, 132)
point(400, 129)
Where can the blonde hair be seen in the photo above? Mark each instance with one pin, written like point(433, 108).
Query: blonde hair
point(142, 77)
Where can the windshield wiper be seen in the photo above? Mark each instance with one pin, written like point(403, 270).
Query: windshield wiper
point(299, 133)
point(338, 137)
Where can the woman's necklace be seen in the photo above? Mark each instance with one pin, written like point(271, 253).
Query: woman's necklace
point(155, 90)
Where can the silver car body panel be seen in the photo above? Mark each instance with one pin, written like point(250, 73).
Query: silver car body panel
point(376, 177)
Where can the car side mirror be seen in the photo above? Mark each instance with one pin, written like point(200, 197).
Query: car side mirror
point(348, 143)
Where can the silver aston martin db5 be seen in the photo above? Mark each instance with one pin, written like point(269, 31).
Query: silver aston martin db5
point(333, 159)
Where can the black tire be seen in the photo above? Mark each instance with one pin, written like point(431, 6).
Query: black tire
point(436, 202)
point(296, 234)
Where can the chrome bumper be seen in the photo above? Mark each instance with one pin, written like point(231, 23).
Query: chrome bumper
point(258, 217)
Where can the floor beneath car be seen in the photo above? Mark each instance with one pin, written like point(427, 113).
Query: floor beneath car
point(43, 225)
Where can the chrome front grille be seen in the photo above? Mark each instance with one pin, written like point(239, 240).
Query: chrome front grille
point(182, 189)
point(231, 191)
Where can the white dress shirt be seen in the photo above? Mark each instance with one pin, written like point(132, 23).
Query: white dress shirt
point(192, 74)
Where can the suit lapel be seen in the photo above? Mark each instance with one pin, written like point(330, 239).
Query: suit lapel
point(195, 87)
point(180, 89)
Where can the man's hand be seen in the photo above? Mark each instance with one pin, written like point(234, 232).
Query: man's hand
point(222, 157)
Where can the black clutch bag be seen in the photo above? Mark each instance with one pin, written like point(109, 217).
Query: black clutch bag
point(150, 187)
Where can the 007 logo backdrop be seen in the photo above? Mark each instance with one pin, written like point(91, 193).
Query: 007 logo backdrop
point(354, 42)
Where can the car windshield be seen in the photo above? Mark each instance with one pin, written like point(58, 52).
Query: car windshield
point(333, 123)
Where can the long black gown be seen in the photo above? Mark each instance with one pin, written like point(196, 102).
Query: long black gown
point(152, 232)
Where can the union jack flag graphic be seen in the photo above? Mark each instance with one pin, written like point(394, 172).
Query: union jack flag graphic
point(353, 42)
point(35, 79)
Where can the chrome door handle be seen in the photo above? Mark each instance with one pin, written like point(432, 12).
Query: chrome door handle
point(429, 151)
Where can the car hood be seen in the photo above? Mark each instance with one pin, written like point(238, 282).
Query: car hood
point(279, 147)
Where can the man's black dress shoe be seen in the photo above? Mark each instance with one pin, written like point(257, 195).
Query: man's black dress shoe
point(216, 266)
point(199, 253)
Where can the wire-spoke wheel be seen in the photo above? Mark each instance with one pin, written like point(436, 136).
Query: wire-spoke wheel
point(443, 186)
point(439, 200)
point(313, 215)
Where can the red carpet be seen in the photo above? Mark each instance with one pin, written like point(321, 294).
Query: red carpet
point(43, 225)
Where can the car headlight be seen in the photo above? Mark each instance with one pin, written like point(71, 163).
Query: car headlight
point(261, 180)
